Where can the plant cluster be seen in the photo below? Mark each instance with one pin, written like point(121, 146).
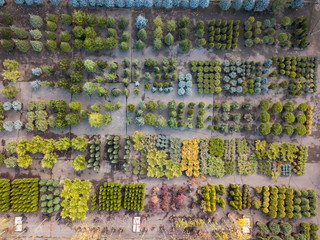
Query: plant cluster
point(299, 123)
point(5, 194)
point(94, 160)
point(236, 196)
point(76, 194)
point(302, 72)
point(189, 157)
point(24, 195)
point(210, 197)
point(112, 149)
point(50, 200)
point(183, 34)
point(126, 158)
point(158, 166)
point(185, 84)
point(110, 197)
point(141, 24)
point(37, 116)
point(207, 75)
point(134, 197)
point(175, 149)
point(245, 76)
point(223, 34)
point(164, 74)
point(292, 33)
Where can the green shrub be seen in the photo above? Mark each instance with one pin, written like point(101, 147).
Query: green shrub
point(7, 18)
point(65, 47)
point(142, 34)
point(288, 129)
point(157, 44)
point(51, 45)
point(102, 22)
point(20, 32)
point(274, 228)
point(22, 45)
point(123, 23)
point(286, 228)
point(289, 117)
point(301, 118)
point(264, 117)
point(301, 130)
point(303, 107)
point(65, 36)
point(169, 39)
point(37, 46)
point(124, 46)
point(139, 45)
point(286, 21)
point(276, 129)
point(264, 105)
point(277, 107)
point(6, 32)
point(36, 21)
point(264, 128)
point(289, 106)
point(185, 45)
point(66, 19)
point(7, 44)
point(51, 26)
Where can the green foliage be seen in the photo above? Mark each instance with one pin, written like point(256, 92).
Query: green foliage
point(51, 45)
point(276, 129)
point(134, 197)
point(90, 66)
point(264, 105)
point(277, 107)
point(19, 32)
point(185, 45)
point(79, 143)
point(216, 147)
point(110, 197)
point(286, 228)
point(24, 195)
point(4, 194)
point(79, 163)
point(36, 21)
point(289, 118)
point(95, 119)
point(22, 45)
point(76, 195)
point(301, 130)
point(264, 128)
point(274, 228)
point(63, 144)
point(210, 197)
point(289, 106)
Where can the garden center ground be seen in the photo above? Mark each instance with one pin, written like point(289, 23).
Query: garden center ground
point(63, 229)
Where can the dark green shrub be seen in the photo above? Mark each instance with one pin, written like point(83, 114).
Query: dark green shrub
point(264, 105)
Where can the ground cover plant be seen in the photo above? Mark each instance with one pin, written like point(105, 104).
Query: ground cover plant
point(110, 197)
point(5, 194)
point(50, 200)
point(134, 197)
point(68, 76)
point(24, 195)
point(287, 33)
point(76, 195)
